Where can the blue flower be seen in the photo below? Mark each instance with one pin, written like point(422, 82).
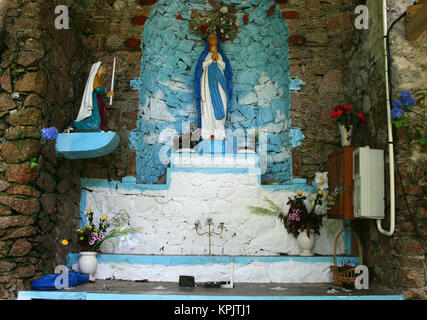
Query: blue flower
point(396, 113)
point(397, 104)
point(407, 99)
point(49, 133)
point(405, 94)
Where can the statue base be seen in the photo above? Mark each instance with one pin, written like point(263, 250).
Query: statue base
point(86, 145)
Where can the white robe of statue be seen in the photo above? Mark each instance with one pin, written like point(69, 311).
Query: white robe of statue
point(210, 125)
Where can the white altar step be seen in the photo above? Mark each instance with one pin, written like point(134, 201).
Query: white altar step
point(218, 161)
point(247, 269)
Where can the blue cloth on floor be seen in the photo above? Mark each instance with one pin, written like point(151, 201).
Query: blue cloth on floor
point(47, 282)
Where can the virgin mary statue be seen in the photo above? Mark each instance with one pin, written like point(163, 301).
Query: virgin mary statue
point(213, 89)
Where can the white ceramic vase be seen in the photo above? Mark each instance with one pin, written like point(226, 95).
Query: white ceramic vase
point(345, 135)
point(306, 243)
point(88, 263)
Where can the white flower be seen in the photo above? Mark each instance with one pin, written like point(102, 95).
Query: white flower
point(321, 180)
point(222, 30)
point(238, 22)
point(224, 10)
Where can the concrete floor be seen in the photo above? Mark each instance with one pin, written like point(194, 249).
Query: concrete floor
point(240, 289)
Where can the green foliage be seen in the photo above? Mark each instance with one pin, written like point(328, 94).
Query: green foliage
point(272, 208)
point(33, 164)
point(400, 122)
point(422, 138)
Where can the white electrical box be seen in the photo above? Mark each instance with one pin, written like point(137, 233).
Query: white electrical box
point(368, 176)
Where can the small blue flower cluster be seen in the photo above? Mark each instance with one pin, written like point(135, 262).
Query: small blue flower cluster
point(405, 100)
point(49, 133)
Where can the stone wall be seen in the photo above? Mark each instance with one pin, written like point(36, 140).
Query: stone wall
point(43, 72)
point(40, 70)
point(319, 31)
point(396, 262)
point(114, 28)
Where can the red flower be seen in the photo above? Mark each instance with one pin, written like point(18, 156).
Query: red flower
point(334, 115)
point(346, 107)
point(340, 113)
point(204, 28)
point(224, 39)
point(179, 17)
point(362, 117)
point(213, 3)
point(245, 18)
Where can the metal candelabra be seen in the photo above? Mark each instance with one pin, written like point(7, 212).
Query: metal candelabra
point(210, 231)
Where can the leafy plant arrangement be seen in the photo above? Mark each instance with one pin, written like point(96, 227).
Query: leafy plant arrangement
point(92, 235)
point(221, 19)
point(402, 105)
point(301, 217)
point(344, 115)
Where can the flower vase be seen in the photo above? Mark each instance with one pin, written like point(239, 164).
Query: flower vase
point(88, 263)
point(345, 132)
point(306, 243)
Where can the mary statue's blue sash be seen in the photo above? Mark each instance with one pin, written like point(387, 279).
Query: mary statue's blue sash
point(215, 77)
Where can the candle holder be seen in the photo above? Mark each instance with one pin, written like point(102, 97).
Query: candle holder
point(210, 231)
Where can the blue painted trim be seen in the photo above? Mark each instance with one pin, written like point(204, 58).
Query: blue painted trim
point(204, 260)
point(290, 187)
point(347, 237)
point(63, 295)
point(51, 295)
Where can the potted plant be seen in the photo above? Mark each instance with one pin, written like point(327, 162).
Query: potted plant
point(92, 235)
point(347, 120)
point(304, 217)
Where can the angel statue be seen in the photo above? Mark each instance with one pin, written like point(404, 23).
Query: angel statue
point(213, 89)
point(93, 112)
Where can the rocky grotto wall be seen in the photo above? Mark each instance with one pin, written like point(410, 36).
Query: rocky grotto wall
point(318, 31)
point(58, 61)
point(397, 262)
point(261, 81)
point(40, 70)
